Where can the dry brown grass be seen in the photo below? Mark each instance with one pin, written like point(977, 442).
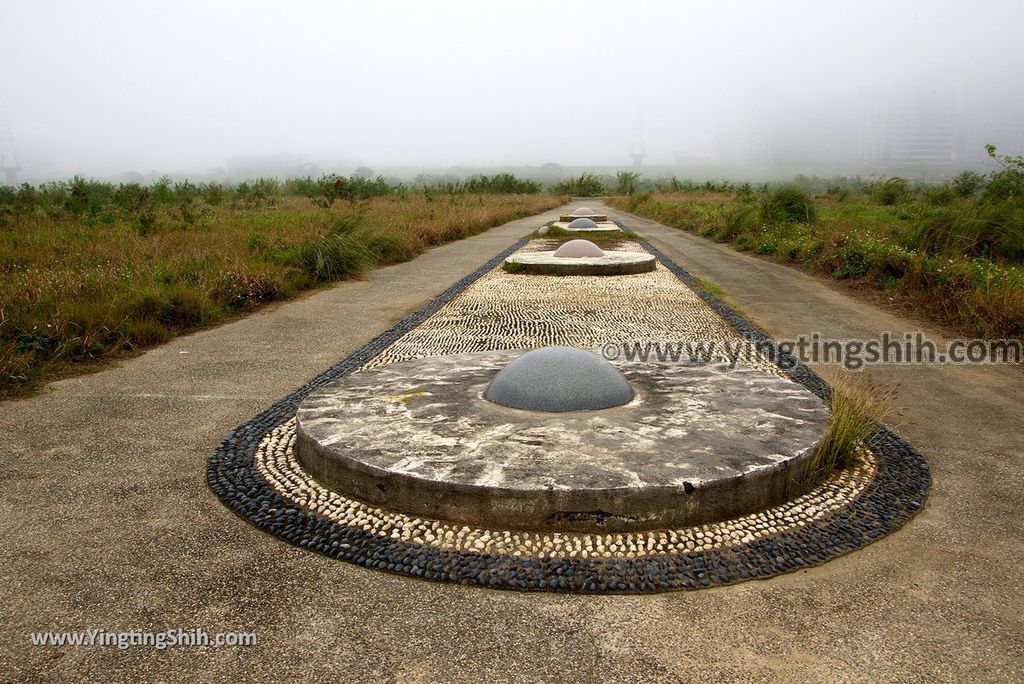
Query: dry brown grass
point(865, 243)
point(76, 289)
point(857, 407)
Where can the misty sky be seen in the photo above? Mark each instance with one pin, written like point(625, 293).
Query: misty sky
point(102, 87)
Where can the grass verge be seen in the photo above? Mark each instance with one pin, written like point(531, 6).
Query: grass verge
point(86, 280)
point(950, 262)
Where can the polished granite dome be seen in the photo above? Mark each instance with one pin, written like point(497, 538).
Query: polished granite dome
point(559, 379)
point(582, 223)
point(583, 211)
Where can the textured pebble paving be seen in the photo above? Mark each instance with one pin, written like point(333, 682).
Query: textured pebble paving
point(254, 471)
point(515, 311)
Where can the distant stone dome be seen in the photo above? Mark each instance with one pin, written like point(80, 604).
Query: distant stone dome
point(581, 223)
point(559, 379)
point(544, 230)
point(578, 249)
point(583, 211)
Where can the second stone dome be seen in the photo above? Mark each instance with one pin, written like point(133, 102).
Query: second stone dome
point(579, 249)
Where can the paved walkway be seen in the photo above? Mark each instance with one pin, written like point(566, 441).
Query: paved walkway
point(108, 523)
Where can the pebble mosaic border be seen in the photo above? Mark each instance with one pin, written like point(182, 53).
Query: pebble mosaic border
point(846, 512)
point(276, 461)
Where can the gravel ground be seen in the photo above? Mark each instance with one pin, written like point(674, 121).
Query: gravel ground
point(109, 525)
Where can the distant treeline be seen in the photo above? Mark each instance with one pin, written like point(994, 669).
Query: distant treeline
point(80, 197)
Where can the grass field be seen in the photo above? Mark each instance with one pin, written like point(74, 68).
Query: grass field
point(955, 258)
point(91, 271)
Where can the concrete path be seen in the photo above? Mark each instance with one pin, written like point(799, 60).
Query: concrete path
point(108, 524)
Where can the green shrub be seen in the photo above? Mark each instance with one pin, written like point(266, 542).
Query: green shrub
point(839, 193)
point(789, 250)
point(144, 333)
point(891, 263)
point(146, 221)
point(1007, 184)
point(967, 183)
point(585, 185)
point(212, 193)
point(179, 306)
point(789, 203)
point(745, 193)
point(241, 290)
point(501, 183)
point(132, 197)
point(628, 182)
point(991, 229)
point(848, 260)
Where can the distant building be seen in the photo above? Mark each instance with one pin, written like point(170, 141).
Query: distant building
point(918, 131)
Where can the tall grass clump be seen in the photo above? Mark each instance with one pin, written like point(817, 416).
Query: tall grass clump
point(738, 220)
point(890, 191)
point(338, 253)
point(789, 203)
point(501, 183)
point(856, 409)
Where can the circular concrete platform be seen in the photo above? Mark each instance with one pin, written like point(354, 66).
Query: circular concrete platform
point(696, 444)
point(611, 263)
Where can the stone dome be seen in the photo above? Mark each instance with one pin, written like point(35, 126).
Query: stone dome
point(583, 211)
point(578, 249)
point(581, 223)
point(559, 379)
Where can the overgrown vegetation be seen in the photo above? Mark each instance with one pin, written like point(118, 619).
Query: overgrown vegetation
point(90, 270)
point(952, 250)
point(584, 185)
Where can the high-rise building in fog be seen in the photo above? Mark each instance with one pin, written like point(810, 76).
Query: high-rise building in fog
point(920, 130)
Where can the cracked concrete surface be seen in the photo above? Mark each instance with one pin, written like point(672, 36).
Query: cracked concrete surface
point(696, 444)
point(108, 523)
